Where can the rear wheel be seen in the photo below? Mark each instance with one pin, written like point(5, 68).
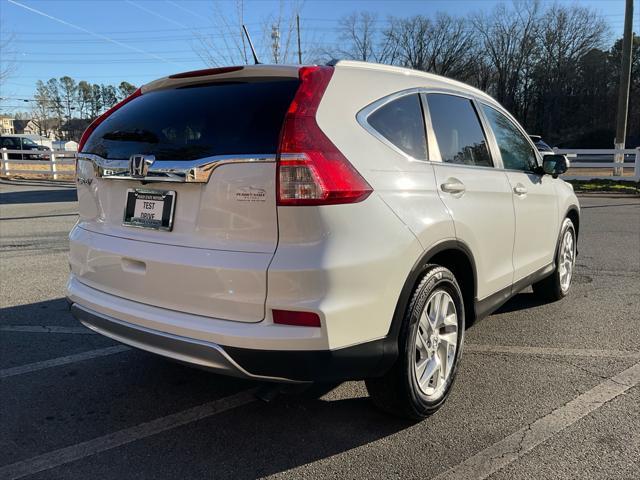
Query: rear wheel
point(557, 285)
point(430, 345)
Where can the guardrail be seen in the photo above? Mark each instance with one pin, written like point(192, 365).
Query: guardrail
point(50, 161)
point(612, 164)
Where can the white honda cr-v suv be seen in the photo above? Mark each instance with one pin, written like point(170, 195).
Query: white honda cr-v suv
point(314, 223)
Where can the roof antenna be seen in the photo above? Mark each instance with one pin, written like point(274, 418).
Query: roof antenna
point(253, 50)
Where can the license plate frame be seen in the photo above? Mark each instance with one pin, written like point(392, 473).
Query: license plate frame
point(134, 195)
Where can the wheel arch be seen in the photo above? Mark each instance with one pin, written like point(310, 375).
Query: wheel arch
point(574, 215)
point(452, 254)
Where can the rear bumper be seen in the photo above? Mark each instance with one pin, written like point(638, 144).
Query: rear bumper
point(292, 366)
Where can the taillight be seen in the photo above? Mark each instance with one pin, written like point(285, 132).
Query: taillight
point(103, 117)
point(311, 169)
point(292, 317)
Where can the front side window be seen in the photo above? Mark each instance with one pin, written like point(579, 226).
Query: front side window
point(517, 153)
point(458, 131)
point(401, 122)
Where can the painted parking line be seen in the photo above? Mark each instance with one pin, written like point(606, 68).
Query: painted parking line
point(563, 352)
point(500, 454)
point(82, 450)
point(56, 362)
point(46, 329)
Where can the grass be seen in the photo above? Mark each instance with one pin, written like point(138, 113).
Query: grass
point(65, 172)
point(604, 185)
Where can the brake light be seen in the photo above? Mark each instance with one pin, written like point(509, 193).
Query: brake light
point(103, 117)
point(300, 319)
point(311, 169)
point(206, 72)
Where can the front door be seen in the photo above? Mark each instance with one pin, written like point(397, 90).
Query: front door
point(534, 197)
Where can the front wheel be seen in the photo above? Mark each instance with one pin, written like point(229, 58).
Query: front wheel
point(430, 345)
point(556, 286)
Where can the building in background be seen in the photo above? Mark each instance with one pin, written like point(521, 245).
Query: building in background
point(6, 125)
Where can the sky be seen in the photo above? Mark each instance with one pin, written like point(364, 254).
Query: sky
point(108, 41)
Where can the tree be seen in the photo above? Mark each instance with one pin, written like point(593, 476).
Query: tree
point(227, 44)
point(509, 38)
point(567, 34)
point(8, 66)
point(109, 95)
point(441, 46)
point(68, 92)
point(96, 104)
point(125, 89)
point(84, 98)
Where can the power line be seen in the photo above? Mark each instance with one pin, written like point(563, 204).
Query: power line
point(98, 35)
point(156, 14)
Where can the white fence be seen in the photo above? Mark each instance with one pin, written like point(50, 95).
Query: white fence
point(49, 162)
point(52, 159)
point(605, 165)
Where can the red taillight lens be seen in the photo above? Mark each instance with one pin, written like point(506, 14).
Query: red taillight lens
point(311, 169)
point(301, 319)
point(103, 117)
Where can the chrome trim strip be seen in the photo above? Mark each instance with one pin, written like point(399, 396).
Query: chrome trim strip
point(177, 171)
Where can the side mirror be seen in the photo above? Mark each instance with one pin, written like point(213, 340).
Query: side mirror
point(555, 165)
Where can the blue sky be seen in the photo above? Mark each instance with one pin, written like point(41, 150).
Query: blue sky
point(139, 40)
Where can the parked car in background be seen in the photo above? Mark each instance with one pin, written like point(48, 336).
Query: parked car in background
point(19, 142)
point(384, 208)
point(540, 144)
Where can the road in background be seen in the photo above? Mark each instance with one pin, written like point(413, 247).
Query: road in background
point(76, 405)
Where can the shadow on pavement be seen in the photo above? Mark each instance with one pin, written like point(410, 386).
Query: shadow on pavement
point(521, 301)
point(38, 196)
point(90, 398)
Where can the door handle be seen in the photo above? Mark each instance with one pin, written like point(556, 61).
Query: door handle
point(520, 189)
point(453, 187)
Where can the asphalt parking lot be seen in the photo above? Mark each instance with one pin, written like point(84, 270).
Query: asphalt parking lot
point(544, 391)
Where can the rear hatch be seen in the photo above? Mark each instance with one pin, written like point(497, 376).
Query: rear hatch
point(177, 192)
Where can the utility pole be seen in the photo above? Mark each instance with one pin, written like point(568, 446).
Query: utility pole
point(299, 49)
point(623, 92)
point(275, 36)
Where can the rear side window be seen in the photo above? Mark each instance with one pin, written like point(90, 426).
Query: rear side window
point(458, 131)
point(10, 143)
point(197, 121)
point(401, 122)
point(516, 151)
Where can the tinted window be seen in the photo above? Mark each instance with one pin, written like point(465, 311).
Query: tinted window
point(10, 143)
point(401, 122)
point(516, 151)
point(197, 121)
point(458, 132)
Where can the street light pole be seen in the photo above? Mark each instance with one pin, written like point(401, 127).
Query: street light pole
point(623, 92)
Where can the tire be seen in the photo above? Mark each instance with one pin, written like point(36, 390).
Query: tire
point(556, 286)
point(399, 391)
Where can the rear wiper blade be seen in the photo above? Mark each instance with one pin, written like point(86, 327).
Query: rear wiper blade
point(132, 136)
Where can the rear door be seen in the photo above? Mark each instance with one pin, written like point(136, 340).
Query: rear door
point(203, 217)
point(534, 196)
point(477, 195)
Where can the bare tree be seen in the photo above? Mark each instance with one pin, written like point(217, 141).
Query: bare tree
point(227, 45)
point(509, 38)
point(7, 53)
point(566, 35)
point(440, 46)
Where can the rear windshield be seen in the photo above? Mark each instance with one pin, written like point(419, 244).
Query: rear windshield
point(199, 121)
